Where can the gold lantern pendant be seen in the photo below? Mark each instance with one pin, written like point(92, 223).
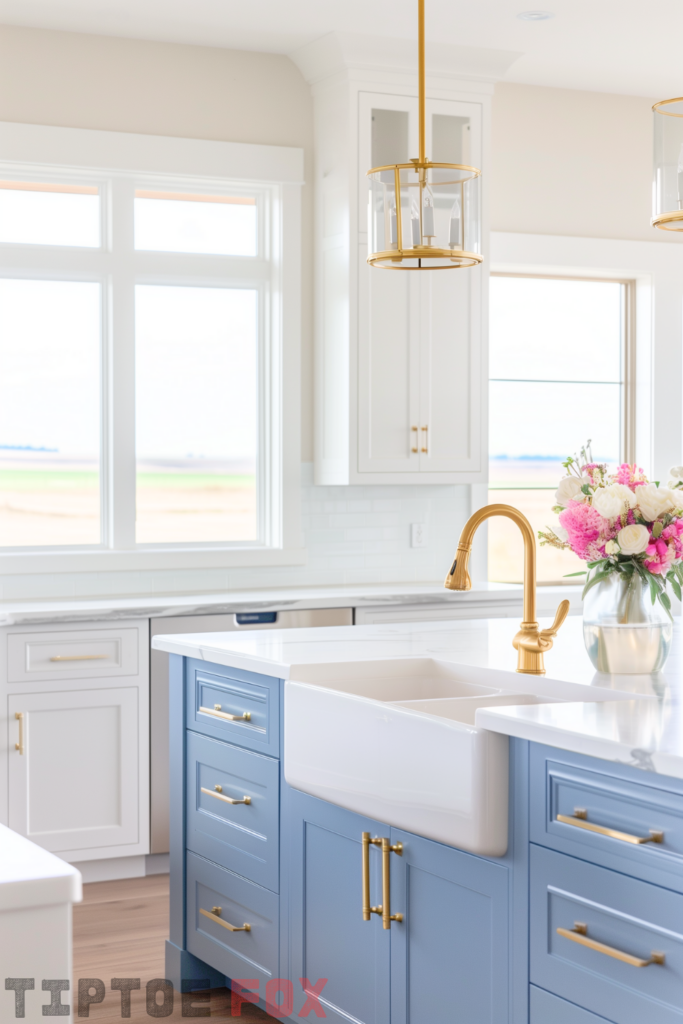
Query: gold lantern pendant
point(424, 215)
point(667, 186)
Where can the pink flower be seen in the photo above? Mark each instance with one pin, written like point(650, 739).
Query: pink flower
point(587, 530)
point(659, 557)
point(631, 475)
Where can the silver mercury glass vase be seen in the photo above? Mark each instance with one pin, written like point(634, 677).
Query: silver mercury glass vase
point(624, 632)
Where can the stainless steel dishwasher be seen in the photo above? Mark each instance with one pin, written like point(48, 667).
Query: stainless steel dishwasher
point(159, 793)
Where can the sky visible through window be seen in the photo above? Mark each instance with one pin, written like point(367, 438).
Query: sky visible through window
point(556, 380)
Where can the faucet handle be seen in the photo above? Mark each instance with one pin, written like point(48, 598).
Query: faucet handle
point(560, 615)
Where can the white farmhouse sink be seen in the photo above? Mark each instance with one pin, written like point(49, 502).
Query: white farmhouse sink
point(396, 740)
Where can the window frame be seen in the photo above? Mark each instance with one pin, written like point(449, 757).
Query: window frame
point(627, 405)
point(119, 163)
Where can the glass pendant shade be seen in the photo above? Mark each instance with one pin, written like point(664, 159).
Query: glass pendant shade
point(667, 185)
point(423, 214)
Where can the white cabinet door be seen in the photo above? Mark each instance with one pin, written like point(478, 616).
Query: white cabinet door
point(450, 372)
point(74, 787)
point(388, 371)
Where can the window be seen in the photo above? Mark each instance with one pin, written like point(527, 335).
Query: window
point(143, 328)
point(559, 361)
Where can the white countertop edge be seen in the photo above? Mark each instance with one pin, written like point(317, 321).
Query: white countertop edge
point(215, 656)
point(516, 722)
point(284, 599)
point(33, 877)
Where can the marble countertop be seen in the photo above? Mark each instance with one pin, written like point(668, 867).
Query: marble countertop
point(642, 726)
point(32, 877)
point(285, 599)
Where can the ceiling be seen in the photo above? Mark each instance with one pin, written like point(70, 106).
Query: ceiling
point(619, 46)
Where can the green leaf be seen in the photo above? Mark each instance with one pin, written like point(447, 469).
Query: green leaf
point(676, 587)
point(586, 489)
point(657, 530)
point(598, 578)
point(568, 574)
point(665, 602)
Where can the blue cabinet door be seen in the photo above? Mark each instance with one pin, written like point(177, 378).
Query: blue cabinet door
point(328, 937)
point(449, 955)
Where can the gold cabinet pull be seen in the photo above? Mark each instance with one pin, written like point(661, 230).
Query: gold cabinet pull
point(579, 933)
point(426, 442)
point(217, 713)
point(217, 792)
point(366, 843)
point(578, 820)
point(19, 717)
point(215, 915)
point(387, 850)
point(79, 657)
point(413, 447)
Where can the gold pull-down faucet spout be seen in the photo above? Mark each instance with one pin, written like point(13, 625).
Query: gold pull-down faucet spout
point(531, 642)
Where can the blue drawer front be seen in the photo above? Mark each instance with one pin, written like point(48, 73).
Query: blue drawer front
point(228, 691)
point(561, 783)
point(620, 912)
point(241, 837)
point(239, 955)
point(545, 1008)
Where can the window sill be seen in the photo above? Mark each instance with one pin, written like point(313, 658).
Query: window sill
point(145, 559)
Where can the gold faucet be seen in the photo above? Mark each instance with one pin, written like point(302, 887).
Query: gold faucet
point(531, 642)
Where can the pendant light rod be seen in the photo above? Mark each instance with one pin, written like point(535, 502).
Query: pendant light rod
point(421, 75)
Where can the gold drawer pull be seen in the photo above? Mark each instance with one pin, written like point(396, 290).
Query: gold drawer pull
point(579, 821)
point(414, 445)
point(19, 717)
point(217, 713)
point(366, 843)
point(425, 447)
point(579, 933)
point(384, 910)
point(217, 792)
point(387, 850)
point(78, 657)
point(215, 915)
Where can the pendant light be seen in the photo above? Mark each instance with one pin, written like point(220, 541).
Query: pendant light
point(667, 186)
point(424, 215)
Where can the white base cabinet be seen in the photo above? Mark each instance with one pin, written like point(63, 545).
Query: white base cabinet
point(78, 753)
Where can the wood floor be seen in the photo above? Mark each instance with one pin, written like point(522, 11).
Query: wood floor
point(119, 932)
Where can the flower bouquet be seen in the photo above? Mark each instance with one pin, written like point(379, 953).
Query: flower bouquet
point(630, 533)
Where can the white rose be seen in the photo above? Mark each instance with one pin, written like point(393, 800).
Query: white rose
point(611, 501)
point(633, 539)
point(676, 472)
point(611, 547)
point(654, 501)
point(569, 489)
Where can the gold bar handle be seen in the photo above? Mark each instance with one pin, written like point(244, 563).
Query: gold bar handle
point(578, 820)
point(387, 850)
point(79, 657)
point(217, 713)
point(215, 915)
point(217, 792)
point(579, 933)
point(426, 444)
point(19, 717)
point(413, 447)
point(366, 843)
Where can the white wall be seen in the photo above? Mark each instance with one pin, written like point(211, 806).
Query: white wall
point(566, 162)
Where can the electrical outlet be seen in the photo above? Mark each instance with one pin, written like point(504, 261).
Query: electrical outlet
point(418, 535)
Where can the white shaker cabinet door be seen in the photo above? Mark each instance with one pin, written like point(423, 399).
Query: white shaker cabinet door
point(388, 371)
point(74, 785)
point(451, 406)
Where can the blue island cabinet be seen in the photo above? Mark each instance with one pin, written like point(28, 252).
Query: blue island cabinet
point(267, 883)
point(446, 960)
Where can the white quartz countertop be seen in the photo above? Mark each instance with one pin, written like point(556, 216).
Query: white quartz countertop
point(32, 877)
point(645, 731)
point(284, 599)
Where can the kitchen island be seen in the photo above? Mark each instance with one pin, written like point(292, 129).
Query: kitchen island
point(287, 885)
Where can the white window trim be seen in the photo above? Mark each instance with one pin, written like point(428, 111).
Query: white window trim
point(278, 172)
point(657, 269)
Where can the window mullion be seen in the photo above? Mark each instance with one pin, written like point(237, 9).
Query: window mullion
point(120, 449)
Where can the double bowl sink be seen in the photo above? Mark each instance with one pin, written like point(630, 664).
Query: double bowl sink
point(396, 740)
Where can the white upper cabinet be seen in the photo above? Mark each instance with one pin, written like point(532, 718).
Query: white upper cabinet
point(401, 367)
